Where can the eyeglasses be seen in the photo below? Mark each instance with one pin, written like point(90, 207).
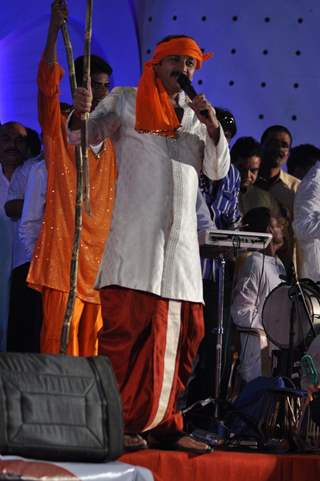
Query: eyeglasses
point(100, 85)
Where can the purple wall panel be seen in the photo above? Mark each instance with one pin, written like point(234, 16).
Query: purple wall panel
point(267, 56)
point(265, 69)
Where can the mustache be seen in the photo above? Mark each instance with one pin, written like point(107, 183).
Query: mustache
point(175, 74)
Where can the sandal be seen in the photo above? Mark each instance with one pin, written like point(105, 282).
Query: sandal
point(134, 442)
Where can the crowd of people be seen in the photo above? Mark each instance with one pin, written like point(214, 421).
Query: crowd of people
point(162, 168)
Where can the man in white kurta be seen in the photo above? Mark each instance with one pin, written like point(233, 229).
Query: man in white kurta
point(150, 275)
point(306, 223)
point(153, 243)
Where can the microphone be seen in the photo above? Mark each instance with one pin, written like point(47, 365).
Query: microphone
point(187, 87)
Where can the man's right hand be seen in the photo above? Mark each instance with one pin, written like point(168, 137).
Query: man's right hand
point(59, 13)
point(82, 99)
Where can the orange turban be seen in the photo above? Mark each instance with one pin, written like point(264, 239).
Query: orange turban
point(154, 111)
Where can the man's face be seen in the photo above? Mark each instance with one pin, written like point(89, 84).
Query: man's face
point(100, 84)
point(276, 229)
point(170, 67)
point(13, 144)
point(276, 149)
point(249, 170)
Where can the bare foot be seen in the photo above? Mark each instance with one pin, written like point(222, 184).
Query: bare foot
point(133, 442)
point(192, 445)
point(182, 442)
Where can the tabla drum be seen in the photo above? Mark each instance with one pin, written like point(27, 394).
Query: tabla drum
point(282, 303)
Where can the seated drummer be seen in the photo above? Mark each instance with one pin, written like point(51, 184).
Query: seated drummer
point(256, 278)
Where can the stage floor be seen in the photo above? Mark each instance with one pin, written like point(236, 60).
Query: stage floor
point(226, 466)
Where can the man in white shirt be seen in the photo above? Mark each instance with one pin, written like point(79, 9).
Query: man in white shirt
point(150, 275)
point(13, 151)
point(306, 223)
point(25, 314)
point(257, 277)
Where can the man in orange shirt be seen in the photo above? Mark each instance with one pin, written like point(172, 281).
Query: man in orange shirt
point(50, 267)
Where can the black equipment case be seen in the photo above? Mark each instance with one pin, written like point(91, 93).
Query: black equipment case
point(59, 407)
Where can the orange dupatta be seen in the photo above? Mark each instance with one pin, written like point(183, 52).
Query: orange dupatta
point(154, 111)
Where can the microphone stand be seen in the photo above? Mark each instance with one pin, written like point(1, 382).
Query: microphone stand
point(219, 333)
point(216, 428)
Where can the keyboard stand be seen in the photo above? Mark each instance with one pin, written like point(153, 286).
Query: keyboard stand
point(215, 245)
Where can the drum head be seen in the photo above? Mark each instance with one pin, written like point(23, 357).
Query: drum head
point(278, 308)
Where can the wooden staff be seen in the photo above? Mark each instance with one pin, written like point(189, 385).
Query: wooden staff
point(70, 59)
point(78, 208)
point(82, 171)
point(84, 117)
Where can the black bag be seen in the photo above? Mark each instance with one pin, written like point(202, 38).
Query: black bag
point(59, 407)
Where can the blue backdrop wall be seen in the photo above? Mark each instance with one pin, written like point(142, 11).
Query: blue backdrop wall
point(265, 68)
point(22, 37)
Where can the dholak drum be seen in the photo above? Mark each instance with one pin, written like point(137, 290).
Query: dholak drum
point(281, 304)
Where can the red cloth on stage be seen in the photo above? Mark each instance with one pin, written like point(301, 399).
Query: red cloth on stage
point(226, 466)
point(151, 343)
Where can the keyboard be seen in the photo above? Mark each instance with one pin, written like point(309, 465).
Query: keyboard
point(237, 240)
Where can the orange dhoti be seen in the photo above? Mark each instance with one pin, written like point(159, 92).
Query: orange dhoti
point(151, 343)
point(86, 322)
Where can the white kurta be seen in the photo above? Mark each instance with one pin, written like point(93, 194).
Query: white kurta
point(17, 188)
point(306, 224)
point(153, 244)
point(33, 206)
point(257, 278)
